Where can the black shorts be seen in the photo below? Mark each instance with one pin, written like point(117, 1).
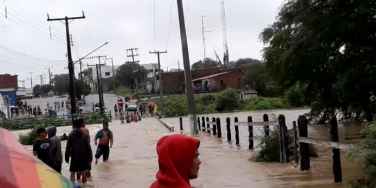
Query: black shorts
point(89, 167)
point(57, 167)
point(78, 165)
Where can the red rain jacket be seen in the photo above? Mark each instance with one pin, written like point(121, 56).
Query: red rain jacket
point(175, 157)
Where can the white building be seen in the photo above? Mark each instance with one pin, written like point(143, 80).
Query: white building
point(89, 75)
point(152, 78)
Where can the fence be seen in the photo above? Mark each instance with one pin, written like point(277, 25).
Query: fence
point(293, 143)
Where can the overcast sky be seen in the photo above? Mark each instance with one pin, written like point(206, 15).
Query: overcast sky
point(26, 45)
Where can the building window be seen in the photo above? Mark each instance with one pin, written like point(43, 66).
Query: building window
point(222, 83)
point(107, 73)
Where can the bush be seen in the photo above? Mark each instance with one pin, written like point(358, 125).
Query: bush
point(31, 137)
point(228, 100)
point(365, 154)
point(270, 148)
point(261, 103)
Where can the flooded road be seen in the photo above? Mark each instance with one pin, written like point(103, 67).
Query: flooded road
point(134, 162)
point(287, 174)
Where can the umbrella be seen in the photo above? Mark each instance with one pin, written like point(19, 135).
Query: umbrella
point(67, 101)
point(129, 96)
point(81, 108)
point(151, 104)
point(120, 102)
point(18, 168)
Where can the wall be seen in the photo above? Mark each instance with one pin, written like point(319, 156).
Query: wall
point(9, 81)
point(231, 80)
point(11, 95)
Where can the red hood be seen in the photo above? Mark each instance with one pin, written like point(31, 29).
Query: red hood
point(175, 157)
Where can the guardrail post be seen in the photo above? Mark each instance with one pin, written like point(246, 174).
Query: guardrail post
point(181, 125)
point(250, 132)
point(199, 123)
point(296, 156)
point(304, 147)
point(203, 123)
point(285, 143)
point(337, 168)
point(208, 125)
point(219, 127)
point(266, 127)
point(236, 120)
point(228, 127)
point(214, 126)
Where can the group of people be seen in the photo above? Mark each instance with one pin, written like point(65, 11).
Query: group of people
point(78, 151)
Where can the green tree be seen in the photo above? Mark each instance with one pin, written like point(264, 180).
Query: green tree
point(81, 88)
point(327, 46)
point(45, 89)
point(36, 90)
point(60, 83)
point(127, 73)
point(210, 63)
point(258, 78)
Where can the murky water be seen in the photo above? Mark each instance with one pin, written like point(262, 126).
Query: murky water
point(134, 161)
point(287, 174)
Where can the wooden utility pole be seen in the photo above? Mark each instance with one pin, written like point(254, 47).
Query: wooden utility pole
point(99, 77)
point(31, 79)
point(113, 72)
point(132, 53)
point(41, 79)
point(70, 62)
point(49, 74)
point(187, 70)
point(160, 76)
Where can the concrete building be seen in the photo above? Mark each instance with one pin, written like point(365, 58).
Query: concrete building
point(89, 75)
point(9, 87)
point(152, 78)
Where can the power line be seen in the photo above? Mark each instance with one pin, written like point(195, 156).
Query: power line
point(154, 27)
point(31, 29)
point(29, 22)
point(9, 50)
point(42, 21)
point(16, 64)
point(169, 25)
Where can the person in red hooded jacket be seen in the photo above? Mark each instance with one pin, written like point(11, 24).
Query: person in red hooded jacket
point(178, 161)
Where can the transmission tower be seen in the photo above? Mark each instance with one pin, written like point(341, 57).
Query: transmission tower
point(224, 33)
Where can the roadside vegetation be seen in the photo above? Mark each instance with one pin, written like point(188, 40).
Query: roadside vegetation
point(224, 101)
point(35, 123)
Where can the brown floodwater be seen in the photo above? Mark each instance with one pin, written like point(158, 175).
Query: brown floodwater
point(287, 175)
point(134, 162)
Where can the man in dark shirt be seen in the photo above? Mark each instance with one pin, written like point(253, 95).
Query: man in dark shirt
point(79, 150)
point(41, 147)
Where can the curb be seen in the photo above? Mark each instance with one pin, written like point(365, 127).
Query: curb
point(167, 125)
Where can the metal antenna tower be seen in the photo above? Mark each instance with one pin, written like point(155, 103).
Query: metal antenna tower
point(224, 33)
point(203, 38)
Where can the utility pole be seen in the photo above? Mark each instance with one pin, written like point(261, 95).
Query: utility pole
point(31, 79)
point(133, 53)
point(80, 70)
point(160, 76)
point(41, 79)
point(70, 62)
point(113, 72)
point(99, 78)
point(203, 39)
point(49, 74)
point(187, 70)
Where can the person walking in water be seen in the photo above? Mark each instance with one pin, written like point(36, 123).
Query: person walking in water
point(86, 131)
point(79, 150)
point(55, 149)
point(41, 147)
point(106, 139)
point(178, 161)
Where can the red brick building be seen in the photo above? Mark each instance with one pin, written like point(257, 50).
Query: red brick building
point(174, 82)
point(8, 81)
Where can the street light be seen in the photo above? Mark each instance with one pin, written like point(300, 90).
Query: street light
point(92, 52)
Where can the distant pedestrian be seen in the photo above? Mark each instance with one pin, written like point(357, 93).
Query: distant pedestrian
point(55, 149)
point(178, 161)
point(41, 147)
point(79, 151)
point(106, 139)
